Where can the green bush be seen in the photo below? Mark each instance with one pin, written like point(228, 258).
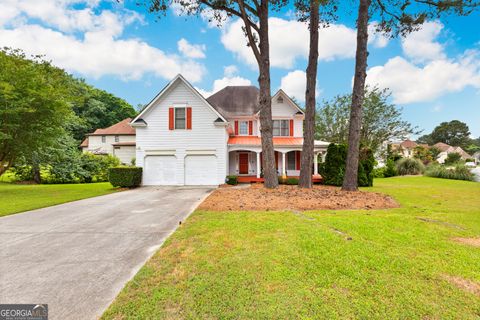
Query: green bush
point(379, 172)
point(409, 166)
point(333, 169)
point(232, 180)
point(452, 158)
point(390, 169)
point(459, 172)
point(126, 177)
point(291, 181)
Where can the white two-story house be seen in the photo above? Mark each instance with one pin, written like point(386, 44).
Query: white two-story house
point(183, 138)
point(117, 140)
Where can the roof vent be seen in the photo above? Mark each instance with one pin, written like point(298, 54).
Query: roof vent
point(280, 99)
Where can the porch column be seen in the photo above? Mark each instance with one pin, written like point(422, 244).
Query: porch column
point(284, 166)
point(259, 165)
point(324, 155)
point(315, 164)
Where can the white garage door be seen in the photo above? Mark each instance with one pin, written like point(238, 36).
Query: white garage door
point(201, 170)
point(160, 170)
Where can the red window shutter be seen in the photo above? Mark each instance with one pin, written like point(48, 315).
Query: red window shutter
point(291, 128)
point(250, 128)
point(276, 159)
point(189, 118)
point(297, 162)
point(236, 127)
point(170, 118)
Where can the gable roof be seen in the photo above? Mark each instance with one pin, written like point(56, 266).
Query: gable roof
point(122, 127)
point(84, 143)
point(408, 144)
point(179, 77)
point(441, 146)
point(295, 105)
point(236, 101)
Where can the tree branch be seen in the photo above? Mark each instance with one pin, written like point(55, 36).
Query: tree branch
point(248, 30)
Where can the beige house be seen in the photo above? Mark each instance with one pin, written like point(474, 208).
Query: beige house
point(445, 149)
point(117, 140)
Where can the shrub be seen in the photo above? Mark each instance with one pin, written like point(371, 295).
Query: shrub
point(408, 166)
point(291, 181)
point(232, 180)
point(379, 172)
point(390, 169)
point(452, 158)
point(333, 169)
point(126, 177)
point(459, 172)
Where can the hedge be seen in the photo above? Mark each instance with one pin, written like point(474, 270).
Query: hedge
point(333, 169)
point(459, 172)
point(125, 177)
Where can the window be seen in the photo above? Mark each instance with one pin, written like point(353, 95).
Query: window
point(104, 139)
point(180, 118)
point(243, 128)
point(281, 128)
point(117, 138)
point(291, 159)
point(280, 100)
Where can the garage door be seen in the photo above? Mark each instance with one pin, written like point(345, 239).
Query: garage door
point(160, 170)
point(201, 170)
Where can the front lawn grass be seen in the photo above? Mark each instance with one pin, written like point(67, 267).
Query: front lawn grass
point(16, 198)
point(285, 265)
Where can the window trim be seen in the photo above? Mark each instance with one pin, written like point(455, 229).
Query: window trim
point(287, 128)
point(240, 127)
point(175, 117)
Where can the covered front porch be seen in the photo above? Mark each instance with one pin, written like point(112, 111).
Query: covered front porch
point(246, 163)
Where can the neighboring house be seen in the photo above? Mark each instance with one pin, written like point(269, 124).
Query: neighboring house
point(185, 139)
point(405, 148)
point(117, 140)
point(476, 156)
point(445, 149)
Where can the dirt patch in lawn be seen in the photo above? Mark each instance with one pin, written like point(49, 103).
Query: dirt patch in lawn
point(464, 284)
point(258, 198)
point(469, 241)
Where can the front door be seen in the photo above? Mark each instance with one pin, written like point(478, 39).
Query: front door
point(243, 163)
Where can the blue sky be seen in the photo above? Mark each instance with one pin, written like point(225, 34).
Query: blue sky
point(434, 74)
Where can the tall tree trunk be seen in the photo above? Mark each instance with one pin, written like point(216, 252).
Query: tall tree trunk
point(265, 101)
point(351, 173)
point(36, 174)
point(309, 123)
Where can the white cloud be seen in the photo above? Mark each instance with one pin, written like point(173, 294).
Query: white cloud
point(294, 84)
point(421, 45)
point(88, 40)
point(230, 71)
point(411, 83)
point(229, 79)
point(289, 41)
point(426, 73)
point(194, 51)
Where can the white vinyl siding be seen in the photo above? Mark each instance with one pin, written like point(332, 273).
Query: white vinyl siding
point(125, 153)
point(205, 135)
point(95, 142)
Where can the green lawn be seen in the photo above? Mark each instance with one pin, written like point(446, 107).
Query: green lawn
point(281, 265)
point(16, 198)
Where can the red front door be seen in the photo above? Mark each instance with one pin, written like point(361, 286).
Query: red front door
point(243, 163)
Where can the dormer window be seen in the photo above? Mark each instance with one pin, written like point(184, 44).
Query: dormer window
point(243, 128)
point(280, 99)
point(281, 128)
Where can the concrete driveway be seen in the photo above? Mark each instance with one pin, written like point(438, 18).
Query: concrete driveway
point(76, 257)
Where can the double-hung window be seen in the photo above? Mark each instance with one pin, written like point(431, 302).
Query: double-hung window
point(104, 139)
point(117, 139)
point(180, 118)
point(243, 128)
point(281, 128)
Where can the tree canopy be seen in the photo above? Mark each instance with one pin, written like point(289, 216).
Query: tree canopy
point(45, 112)
point(454, 133)
point(381, 120)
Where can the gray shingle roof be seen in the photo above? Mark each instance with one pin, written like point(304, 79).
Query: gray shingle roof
point(235, 101)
